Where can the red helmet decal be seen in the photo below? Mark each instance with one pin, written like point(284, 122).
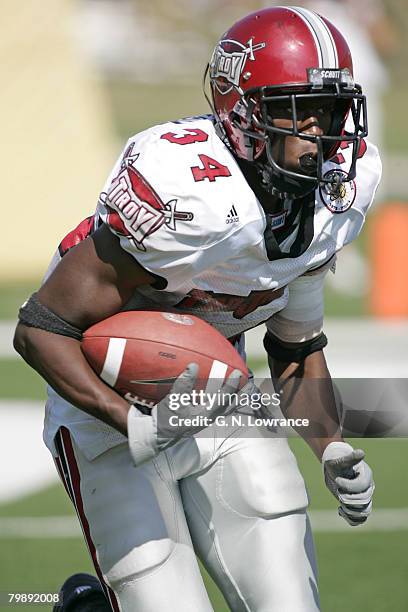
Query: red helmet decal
point(282, 55)
point(229, 60)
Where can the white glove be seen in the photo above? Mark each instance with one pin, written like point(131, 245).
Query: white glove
point(150, 434)
point(350, 480)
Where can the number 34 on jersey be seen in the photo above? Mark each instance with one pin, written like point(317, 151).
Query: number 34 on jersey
point(210, 168)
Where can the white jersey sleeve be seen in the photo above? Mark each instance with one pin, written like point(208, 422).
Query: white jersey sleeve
point(342, 216)
point(168, 198)
point(302, 317)
point(338, 221)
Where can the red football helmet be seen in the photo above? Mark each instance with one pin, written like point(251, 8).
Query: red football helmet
point(286, 58)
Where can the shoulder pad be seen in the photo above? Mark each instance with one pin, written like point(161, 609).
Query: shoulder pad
point(360, 192)
point(345, 214)
point(176, 193)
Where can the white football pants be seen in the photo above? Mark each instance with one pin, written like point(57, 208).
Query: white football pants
point(239, 503)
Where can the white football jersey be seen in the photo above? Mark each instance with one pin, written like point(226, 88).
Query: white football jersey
point(181, 206)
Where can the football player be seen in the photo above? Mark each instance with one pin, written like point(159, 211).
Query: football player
point(236, 217)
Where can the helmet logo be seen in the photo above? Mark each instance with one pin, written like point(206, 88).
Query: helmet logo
point(319, 77)
point(339, 195)
point(229, 59)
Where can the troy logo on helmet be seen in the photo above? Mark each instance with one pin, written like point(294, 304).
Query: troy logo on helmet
point(229, 63)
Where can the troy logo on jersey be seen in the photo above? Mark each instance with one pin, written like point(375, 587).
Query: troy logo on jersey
point(229, 59)
point(138, 211)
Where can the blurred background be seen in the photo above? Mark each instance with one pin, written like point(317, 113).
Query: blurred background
point(79, 77)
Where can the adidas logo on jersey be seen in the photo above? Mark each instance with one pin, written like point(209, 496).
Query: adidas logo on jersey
point(232, 216)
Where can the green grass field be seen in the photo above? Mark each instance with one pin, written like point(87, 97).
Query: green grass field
point(359, 571)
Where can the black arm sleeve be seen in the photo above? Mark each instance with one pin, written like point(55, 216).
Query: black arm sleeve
point(35, 314)
point(283, 351)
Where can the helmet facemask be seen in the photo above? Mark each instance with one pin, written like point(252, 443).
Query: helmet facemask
point(254, 116)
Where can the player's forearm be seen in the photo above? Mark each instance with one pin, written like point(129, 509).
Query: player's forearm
point(59, 360)
point(307, 392)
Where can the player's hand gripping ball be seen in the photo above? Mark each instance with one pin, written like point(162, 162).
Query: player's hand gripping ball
point(141, 353)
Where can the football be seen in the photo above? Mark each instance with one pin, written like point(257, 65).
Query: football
point(140, 353)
